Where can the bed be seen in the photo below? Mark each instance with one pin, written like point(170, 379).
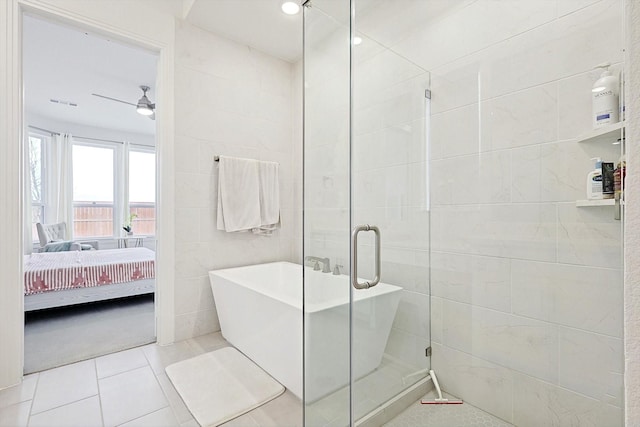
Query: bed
point(65, 278)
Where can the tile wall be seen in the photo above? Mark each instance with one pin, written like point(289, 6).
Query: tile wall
point(236, 101)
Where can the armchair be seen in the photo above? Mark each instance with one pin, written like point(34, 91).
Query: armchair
point(52, 239)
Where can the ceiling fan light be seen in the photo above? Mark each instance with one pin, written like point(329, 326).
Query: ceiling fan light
point(144, 106)
point(144, 110)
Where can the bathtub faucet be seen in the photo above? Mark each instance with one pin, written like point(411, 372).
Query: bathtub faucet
point(326, 264)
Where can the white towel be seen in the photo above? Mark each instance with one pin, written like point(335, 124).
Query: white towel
point(269, 198)
point(238, 194)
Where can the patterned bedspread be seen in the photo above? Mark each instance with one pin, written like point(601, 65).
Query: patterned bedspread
point(55, 271)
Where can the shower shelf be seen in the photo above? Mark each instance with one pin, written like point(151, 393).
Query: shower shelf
point(610, 133)
point(588, 203)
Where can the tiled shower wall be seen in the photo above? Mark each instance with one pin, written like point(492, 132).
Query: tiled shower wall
point(230, 100)
point(527, 287)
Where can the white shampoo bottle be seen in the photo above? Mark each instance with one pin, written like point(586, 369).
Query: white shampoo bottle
point(594, 181)
point(606, 94)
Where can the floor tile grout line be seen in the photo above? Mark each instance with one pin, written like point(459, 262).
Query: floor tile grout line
point(99, 393)
point(33, 398)
point(144, 415)
point(127, 370)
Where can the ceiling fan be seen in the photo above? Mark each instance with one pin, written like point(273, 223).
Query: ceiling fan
point(144, 106)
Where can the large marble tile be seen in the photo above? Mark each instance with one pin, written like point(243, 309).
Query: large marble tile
point(83, 413)
point(457, 326)
point(582, 297)
point(578, 48)
point(195, 295)
point(538, 403)
point(456, 84)
point(19, 393)
point(457, 181)
point(589, 236)
point(180, 410)
point(413, 315)
point(455, 132)
point(206, 52)
point(285, 410)
point(119, 362)
point(130, 395)
point(390, 24)
point(481, 281)
point(407, 348)
point(161, 418)
point(521, 118)
point(579, 352)
point(160, 357)
point(196, 323)
point(436, 319)
point(453, 228)
point(525, 231)
point(67, 384)
point(486, 23)
point(483, 384)
point(526, 174)
point(566, 7)
point(16, 415)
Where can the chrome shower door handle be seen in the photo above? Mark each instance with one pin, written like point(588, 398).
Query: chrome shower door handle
point(354, 257)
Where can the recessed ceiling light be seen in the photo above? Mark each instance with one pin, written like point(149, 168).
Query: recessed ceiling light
point(357, 40)
point(290, 7)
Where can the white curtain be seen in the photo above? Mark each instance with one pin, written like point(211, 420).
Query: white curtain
point(27, 213)
point(61, 179)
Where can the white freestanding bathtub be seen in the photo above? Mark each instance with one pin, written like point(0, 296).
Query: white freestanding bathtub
point(260, 311)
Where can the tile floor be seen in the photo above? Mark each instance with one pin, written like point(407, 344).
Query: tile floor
point(129, 388)
point(464, 415)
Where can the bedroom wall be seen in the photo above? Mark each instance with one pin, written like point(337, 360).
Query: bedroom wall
point(236, 101)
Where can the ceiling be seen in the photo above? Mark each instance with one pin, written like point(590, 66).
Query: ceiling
point(256, 23)
point(68, 64)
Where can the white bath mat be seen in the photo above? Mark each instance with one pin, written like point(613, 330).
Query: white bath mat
point(222, 385)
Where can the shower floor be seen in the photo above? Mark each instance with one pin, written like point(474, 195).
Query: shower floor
point(379, 386)
point(464, 415)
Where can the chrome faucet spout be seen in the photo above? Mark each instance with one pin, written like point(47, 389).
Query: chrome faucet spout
point(326, 264)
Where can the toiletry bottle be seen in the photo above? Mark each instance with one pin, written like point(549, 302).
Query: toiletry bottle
point(608, 185)
point(605, 93)
point(594, 181)
point(618, 176)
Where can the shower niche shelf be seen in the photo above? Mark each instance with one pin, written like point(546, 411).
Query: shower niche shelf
point(589, 203)
point(610, 133)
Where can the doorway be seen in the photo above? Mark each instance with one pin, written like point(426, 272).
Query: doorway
point(91, 172)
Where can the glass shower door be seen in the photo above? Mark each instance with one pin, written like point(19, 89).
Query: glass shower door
point(326, 214)
point(389, 191)
point(366, 216)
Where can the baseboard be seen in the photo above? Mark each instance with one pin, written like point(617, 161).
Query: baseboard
point(396, 405)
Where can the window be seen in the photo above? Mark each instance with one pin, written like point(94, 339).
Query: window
point(93, 190)
point(142, 191)
point(102, 187)
point(36, 171)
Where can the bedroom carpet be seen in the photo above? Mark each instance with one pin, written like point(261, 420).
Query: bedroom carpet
point(65, 335)
point(222, 385)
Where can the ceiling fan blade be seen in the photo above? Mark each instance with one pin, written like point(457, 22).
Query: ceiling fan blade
point(152, 116)
point(114, 99)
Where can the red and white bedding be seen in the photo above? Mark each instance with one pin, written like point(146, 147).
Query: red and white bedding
point(54, 271)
